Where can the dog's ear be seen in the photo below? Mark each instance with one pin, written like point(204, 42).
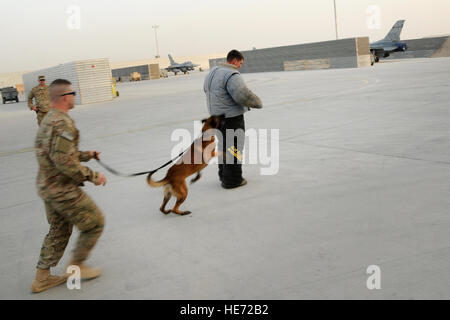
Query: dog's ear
point(204, 120)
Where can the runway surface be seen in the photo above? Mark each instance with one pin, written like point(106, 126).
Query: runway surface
point(364, 179)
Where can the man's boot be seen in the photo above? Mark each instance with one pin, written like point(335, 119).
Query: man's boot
point(243, 183)
point(44, 280)
point(87, 273)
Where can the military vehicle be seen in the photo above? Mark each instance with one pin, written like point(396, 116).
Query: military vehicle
point(136, 76)
point(9, 94)
point(163, 73)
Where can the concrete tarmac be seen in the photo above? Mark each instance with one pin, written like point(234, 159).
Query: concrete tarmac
point(364, 180)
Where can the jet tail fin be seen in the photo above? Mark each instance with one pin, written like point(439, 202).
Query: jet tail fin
point(171, 60)
point(394, 34)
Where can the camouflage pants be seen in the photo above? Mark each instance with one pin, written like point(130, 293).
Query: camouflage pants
point(62, 216)
point(40, 116)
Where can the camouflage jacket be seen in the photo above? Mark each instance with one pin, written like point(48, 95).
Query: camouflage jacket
point(60, 172)
point(42, 97)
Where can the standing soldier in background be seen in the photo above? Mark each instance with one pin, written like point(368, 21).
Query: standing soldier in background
point(58, 184)
point(41, 95)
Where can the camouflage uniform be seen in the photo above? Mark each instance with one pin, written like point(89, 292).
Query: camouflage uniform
point(42, 97)
point(58, 183)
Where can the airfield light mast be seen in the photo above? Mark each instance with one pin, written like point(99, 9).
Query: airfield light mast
point(156, 39)
point(335, 20)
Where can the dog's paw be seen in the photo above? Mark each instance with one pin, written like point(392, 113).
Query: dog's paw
point(185, 213)
point(166, 212)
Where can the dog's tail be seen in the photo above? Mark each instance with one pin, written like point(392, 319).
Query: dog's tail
point(155, 184)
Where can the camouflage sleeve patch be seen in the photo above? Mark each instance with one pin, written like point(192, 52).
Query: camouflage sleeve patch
point(64, 152)
point(63, 145)
point(67, 135)
point(63, 139)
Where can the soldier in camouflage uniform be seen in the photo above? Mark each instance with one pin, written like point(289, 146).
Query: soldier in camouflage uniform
point(58, 183)
point(41, 95)
point(228, 96)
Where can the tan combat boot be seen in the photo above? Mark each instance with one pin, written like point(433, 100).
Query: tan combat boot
point(44, 280)
point(87, 273)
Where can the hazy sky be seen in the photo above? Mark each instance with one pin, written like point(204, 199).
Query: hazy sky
point(35, 33)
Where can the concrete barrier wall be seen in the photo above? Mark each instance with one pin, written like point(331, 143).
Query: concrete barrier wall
point(345, 53)
point(363, 57)
point(444, 51)
point(424, 48)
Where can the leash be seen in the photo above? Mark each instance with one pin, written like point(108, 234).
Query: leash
point(117, 173)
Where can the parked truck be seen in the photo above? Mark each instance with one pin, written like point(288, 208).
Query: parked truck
point(136, 76)
point(9, 94)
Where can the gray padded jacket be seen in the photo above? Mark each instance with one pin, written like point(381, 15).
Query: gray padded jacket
point(227, 94)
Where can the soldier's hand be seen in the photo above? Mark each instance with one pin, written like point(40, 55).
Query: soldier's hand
point(101, 180)
point(95, 155)
point(35, 109)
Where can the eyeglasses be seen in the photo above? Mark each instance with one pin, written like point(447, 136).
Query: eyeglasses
point(42, 80)
point(73, 93)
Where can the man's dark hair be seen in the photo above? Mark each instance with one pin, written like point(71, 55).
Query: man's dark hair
point(58, 82)
point(57, 88)
point(234, 54)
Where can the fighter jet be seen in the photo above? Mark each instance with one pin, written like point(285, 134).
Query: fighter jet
point(391, 43)
point(180, 67)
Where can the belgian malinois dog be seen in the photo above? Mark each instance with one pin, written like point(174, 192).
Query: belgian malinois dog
point(193, 161)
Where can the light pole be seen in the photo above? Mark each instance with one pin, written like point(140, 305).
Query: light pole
point(335, 20)
point(156, 39)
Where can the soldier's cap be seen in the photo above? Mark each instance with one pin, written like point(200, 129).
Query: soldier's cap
point(41, 78)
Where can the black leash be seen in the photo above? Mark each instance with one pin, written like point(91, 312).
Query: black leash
point(117, 173)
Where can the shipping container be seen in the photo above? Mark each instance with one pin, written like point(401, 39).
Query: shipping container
point(90, 78)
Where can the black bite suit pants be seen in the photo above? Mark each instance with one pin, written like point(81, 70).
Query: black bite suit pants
point(230, 167)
